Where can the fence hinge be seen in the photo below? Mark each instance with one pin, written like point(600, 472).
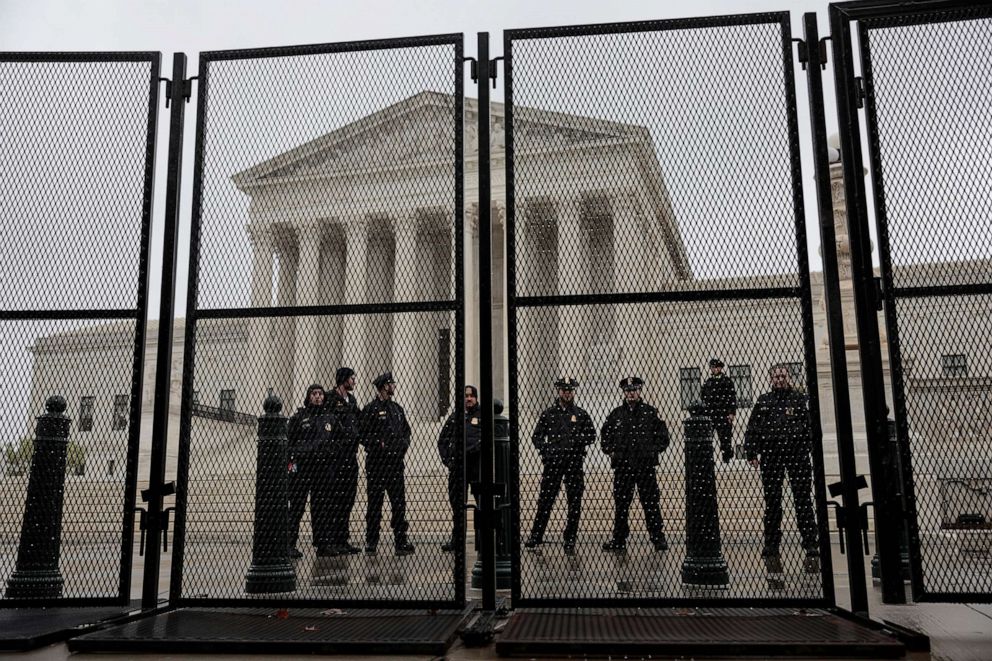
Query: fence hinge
point(473, 69)
point(879, 293)
point(187, 89)
point(492, 69)
point(859, 91)
point(823, 51)
point(803, 52)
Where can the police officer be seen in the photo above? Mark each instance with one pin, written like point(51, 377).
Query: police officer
point(561, 436)
point(633, 436)
point(385, 433)
point(452, 451)
point(345, 415)
point(777, 441)
point(720, 397)
point(309, 435)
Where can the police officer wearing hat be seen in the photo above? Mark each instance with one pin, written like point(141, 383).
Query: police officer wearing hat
point(720, 398)
point(777, 442)
point(345, 417)
point(454, 448)
point(561, 436)
point(385, 433)
point(309, 436)
point(633, 436)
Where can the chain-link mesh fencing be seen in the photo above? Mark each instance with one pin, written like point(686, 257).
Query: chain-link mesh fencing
point(76, 153)
point(932, 176)
point(658, 261)
point(327, 252)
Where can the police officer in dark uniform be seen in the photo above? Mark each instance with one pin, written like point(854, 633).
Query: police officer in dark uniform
point(561, 436)
point(345, 418)
point(720, 397)
point(777, 441)
point(309, 435)
point(633, 436)
point(452, 452)
point(385, 433)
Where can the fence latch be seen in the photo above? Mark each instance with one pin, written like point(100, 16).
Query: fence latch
point(859, 91)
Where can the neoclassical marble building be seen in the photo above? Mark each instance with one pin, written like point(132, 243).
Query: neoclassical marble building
point(365, 214)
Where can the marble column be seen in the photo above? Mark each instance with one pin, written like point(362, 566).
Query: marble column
point(356, 256)
point(572, 273)
point(408, 328)
point(283, 343)
point(307, 279)
point(263, 251)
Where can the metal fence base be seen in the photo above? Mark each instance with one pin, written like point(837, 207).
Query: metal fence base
point(288, 631)
point(23, 629)
point(694, 632)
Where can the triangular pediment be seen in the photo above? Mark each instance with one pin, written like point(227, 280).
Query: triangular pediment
point(417, 131)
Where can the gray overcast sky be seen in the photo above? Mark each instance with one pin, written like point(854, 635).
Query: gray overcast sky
point(192, 26)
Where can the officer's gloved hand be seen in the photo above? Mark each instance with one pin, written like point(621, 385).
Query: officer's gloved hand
point(728, 454)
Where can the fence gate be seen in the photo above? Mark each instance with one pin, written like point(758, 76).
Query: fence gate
point(77, 154)
point(327, 215)
point(655, 221)
point(924, 89)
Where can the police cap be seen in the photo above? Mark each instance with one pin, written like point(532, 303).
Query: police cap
point(632, 383)
point(342, 375)
point(566, 383)
point(382, 380)
point(716, 362)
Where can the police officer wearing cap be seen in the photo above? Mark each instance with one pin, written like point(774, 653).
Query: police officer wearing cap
point(454, 447)
point(385, 433)
point(345, 417)
point(777, 442)
point(633, 436)
point(561, 436)
point(720, 398)
point(309, 437)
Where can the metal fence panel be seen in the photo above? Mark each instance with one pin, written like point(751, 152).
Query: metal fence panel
point(327, 233)
point(77, 155)
point(931, 174)
point(655, 220)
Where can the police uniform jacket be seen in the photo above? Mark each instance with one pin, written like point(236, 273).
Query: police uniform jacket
point(634, 434)
point(779, 423)
point(448, 440)
point(719, 395)
point(563, 430)
point(309, 429)
point(385, 431)
point(345, 420)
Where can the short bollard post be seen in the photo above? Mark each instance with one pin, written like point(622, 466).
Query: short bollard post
point(704, 563)
point(270, 569)
point(501, 481)
point(893, 467)
point(37, 574)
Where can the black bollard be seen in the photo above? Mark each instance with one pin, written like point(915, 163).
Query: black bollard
point(704, 563)
point(501, 483)
point(893, 468)
point(37, 574)
point(270, 569)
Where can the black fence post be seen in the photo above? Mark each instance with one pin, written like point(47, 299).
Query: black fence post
point(37, 574)
point(270, 569)
point(502, 511)
point(704, 563)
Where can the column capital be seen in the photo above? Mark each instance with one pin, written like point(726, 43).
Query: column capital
point(308, 230)
point(259, 233)
point(355, 227)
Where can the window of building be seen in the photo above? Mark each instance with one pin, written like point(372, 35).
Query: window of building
point(111, 464)
point(690, 382)
point(227, 400)
point(443, 371)
point(120, 412)
point(954, 364)
point(86, 405)
point(740, 375)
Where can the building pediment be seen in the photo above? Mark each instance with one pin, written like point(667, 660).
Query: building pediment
point(417, 131)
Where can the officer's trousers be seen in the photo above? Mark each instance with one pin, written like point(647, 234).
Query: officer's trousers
point(626, 476)
point(344, 487)
point(774, 468)
point(724, 432)
point(456, 494)
point(384, 476)
point(560, 467)
point(313, 478)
